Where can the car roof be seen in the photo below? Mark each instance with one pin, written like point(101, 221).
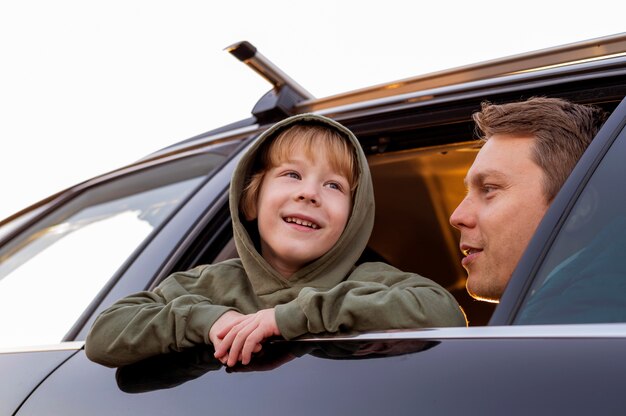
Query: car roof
point(555, 61)
point(559, 56)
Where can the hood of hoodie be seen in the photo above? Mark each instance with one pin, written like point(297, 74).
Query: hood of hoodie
point(334, 266)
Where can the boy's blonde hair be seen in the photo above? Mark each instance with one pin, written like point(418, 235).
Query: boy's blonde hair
point(316, 141)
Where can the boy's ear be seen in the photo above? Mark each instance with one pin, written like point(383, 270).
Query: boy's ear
point(249, 198)
point(250, 214)
point(247, 209)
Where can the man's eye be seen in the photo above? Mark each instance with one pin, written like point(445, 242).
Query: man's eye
point(487, 189)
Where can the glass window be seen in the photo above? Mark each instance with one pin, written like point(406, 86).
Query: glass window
point(51, 272)
point(583, 279)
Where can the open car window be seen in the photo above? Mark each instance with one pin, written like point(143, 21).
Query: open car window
point(416, 190)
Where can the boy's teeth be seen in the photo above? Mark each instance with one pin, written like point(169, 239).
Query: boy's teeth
point(301, 222)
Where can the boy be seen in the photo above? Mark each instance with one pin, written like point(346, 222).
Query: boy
point(302, 208)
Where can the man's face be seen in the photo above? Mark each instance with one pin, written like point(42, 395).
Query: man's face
point(303, 207)
point(504, 204)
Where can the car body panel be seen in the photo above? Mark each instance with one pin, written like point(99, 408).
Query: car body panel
point(22, 371)
point(487, 373)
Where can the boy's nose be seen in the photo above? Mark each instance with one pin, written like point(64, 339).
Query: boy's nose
point(308, 196)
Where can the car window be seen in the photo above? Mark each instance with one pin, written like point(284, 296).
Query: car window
point(47, 268)
point(583, 279)
point(416, 190)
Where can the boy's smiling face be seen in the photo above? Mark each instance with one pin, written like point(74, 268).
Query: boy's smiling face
point(303, 207)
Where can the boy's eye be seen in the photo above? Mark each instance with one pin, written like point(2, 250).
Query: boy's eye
point(334, 185)
point(293, 175)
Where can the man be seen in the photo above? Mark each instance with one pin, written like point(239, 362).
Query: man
point(529, 150)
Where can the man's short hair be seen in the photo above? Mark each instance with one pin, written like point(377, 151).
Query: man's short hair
point(316, 141)
point(562, 131)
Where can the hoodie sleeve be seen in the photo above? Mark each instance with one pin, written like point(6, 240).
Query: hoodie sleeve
point(170, 318)
point(375, 296)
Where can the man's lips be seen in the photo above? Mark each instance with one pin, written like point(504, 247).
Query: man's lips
point(470, 254)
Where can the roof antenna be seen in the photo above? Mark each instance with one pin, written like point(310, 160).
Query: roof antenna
point(280, 100)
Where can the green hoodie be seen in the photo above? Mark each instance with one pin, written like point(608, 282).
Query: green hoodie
point(329, 295)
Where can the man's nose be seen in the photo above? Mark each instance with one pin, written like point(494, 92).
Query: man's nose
point(463, 215)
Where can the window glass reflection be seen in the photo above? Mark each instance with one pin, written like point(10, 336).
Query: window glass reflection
point(583, 279)
point(51, 272)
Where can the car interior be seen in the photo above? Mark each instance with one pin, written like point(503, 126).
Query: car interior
point(416, 191)
point(418, 162)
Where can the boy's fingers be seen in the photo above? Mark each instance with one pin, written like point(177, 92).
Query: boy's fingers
point(234, 320)
point(225, 344)
point(242, 340)
point(216, 347)
point(245, 357)
point(222, 347)
point(252, 345)
point(218, 351)
point(237, 345)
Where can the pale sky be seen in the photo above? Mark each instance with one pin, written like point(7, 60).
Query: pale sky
point(86, 87)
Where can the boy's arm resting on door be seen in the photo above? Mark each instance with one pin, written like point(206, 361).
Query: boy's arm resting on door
point(375, 296)
point(169, 318)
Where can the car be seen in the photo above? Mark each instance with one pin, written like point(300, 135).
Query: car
point(67, 258)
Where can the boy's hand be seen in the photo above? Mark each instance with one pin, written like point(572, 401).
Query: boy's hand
point(241, 340)
point(223, 324)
